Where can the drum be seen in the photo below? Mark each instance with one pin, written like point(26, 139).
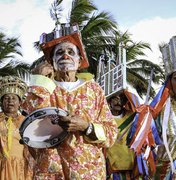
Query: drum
point(41, 130)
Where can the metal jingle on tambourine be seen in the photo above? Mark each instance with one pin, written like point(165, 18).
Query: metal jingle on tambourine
point(62, 112)
point(55, 121)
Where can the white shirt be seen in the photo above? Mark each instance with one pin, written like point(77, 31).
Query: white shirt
point(70, 85)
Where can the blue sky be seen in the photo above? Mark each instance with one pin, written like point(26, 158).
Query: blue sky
point(128, 12)
point(152, 21)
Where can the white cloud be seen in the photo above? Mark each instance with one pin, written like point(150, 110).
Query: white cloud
point(153, 31)
point(30, 31)
point(28, 20)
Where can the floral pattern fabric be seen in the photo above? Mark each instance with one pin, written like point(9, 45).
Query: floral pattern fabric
point(77, 157)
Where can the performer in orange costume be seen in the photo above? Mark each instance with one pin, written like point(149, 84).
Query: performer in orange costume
point(90, 123)
point(14, 162)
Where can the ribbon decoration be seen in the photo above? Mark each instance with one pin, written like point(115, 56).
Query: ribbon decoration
point(142, 128)
point(143, 134)
point(133, 101)
point(142, 138)
point(6, 148)
point(164, 130)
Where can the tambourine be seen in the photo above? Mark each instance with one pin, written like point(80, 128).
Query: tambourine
point(39, 130)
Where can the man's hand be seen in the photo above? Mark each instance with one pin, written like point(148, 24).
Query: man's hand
point(44, 69)
point(73, 123)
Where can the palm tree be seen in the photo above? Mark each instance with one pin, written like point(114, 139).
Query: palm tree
point(139, 70)
point(138, 74)
point(9, 49)
point(100, 35)
point(97, 29)
point(15, 68)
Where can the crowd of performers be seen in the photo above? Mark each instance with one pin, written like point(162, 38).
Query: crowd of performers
point(115, 138)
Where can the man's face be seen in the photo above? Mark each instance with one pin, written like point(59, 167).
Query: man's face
point(10, 103)
point(66, 57)
point(116, 103)
point(173, 82)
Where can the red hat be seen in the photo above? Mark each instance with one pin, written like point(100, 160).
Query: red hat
point(65, 33)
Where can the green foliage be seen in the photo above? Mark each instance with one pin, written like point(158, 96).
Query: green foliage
point(16, 68)
point(100, 35)
point(9, 47)
point(81, 10)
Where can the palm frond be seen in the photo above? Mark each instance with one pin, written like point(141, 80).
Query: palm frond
point(139, 83)
point(81, 10)
point(14, 68)
point(99, 24)
point(56, 11)
point(9, 47)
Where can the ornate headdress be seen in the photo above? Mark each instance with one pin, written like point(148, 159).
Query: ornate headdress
point(169, 56)
point(12, 84)
point(64, 32)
